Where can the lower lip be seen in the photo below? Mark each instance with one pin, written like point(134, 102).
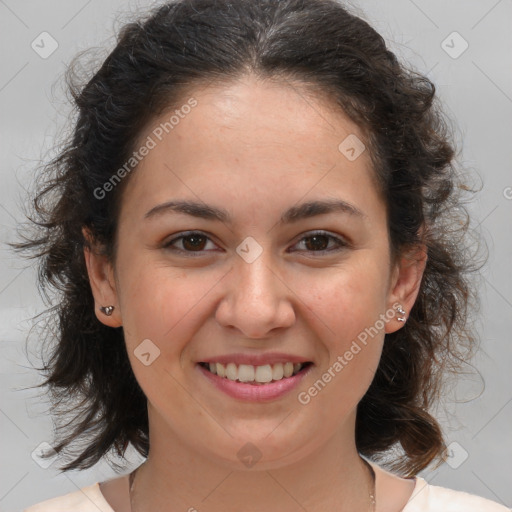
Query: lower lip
point(254, 392)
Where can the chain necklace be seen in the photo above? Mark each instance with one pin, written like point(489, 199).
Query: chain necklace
point(371, 494)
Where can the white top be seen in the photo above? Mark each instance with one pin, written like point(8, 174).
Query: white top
point(425, 498)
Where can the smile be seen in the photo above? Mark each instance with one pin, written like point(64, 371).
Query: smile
point(250, 383)
point(255, 374)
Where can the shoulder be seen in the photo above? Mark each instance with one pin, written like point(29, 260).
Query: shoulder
point(431, 498)
point(87, 499)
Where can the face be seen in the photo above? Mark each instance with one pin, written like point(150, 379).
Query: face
point(250, 281)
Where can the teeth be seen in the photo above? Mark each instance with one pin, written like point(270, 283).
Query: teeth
point(263, 373)
point(288, 369)
point(231, 371)
point(277, 372)
point(260, 374)
point(221, 369)
point(245, 373)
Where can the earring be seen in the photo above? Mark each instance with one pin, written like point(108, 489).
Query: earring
point(402, 312)
point(107, 310)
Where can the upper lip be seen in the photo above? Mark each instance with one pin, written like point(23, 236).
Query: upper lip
point(256, 359)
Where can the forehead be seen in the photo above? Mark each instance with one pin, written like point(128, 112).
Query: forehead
point(266, 139)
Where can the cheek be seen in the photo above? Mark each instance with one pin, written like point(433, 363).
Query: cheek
point(167, 306)
point(160, 308)
point(348, 305)
point(157, 298)
point(346, 299)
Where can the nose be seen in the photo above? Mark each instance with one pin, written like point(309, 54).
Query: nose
point(257, 300)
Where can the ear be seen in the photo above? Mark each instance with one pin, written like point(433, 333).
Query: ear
point(101, 278)
point(405, 283)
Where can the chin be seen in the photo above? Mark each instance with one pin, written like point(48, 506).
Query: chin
point(258, 453)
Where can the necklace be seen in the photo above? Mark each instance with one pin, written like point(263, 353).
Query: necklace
point(371, 494)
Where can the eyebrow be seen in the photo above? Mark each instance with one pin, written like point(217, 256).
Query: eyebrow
point(293, 214)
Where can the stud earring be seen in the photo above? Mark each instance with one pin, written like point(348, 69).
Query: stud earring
point(107, 310)
point(402, 312)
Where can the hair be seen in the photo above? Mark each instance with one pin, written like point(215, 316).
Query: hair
point(315, 43)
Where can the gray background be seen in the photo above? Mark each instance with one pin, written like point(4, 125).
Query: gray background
point(476, 89)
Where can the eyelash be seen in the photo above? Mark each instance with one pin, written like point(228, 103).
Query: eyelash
point(341, 244)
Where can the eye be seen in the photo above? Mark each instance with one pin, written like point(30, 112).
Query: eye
point(319, 241)
point(316, 242)
point(193, 241)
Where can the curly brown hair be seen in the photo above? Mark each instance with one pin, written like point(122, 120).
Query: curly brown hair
point(318, 43)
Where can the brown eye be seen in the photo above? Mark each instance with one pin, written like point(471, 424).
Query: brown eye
point(193, 242)
point(319, 242)
point(196, 242)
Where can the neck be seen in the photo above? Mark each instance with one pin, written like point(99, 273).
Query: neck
point(177, 477)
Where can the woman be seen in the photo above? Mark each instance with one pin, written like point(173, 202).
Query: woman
point(253, 232)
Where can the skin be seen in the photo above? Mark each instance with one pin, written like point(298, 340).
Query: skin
point(255, 148)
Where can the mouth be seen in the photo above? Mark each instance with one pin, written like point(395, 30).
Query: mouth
point(256, 375)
